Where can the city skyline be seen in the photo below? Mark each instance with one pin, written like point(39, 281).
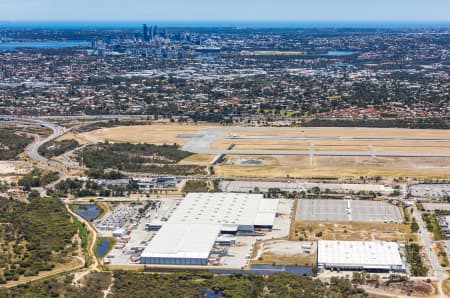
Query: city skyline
point(227, 11)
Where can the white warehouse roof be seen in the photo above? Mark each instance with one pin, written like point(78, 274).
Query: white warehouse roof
point(191, 231)
point(192, 241)
point(226, 209)
point(359, 254)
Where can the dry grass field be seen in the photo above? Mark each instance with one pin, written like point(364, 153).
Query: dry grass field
point(348, 166)
point(292, 259)
point(198, 159)
point(299, 166)
point(283, 252)
point(351, 231)
point(334, 145)
point(446, 287)
point(154, 134)
point(71, 136)
point(345, 132)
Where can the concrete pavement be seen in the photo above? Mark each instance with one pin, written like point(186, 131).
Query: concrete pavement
point(201, 144)
point(439, 272)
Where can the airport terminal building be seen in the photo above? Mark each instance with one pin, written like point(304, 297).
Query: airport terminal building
point(369, 256)
point(191, 232)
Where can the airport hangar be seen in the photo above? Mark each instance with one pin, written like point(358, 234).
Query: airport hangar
point(192, 231)
point(369, 256)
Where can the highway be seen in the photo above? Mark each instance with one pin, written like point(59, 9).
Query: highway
point(201, 144)
point(33, 150)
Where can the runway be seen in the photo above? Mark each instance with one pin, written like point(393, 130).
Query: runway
point(201, 144)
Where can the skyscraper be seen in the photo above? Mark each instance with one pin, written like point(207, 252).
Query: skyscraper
point(146, 35)
point(154, 32)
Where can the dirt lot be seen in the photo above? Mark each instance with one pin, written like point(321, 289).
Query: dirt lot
point(348, 166)
point(155, 134)
point(352, 231)
point(412, 288)
point(446, 287)
point(14, 168)
point(282, 252)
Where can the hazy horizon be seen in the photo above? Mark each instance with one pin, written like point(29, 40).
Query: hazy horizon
point(408, 11)
point(137, 24)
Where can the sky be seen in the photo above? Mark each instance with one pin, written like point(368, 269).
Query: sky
point(227, 10)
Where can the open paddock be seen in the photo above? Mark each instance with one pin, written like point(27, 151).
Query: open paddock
point(155, 134)
point(341, 166)
point(351, 231)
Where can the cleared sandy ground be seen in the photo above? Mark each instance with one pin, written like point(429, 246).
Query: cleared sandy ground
point(283, 252)
point(14, 168)
point(155, 134)
point(351, 231)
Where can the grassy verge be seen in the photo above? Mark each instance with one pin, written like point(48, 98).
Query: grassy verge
point(432, 225)
point(84, 236)
point(442, 255)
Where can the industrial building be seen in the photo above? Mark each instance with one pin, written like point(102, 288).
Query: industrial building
point(181, 244)
point(199, 223)
point(369, 256)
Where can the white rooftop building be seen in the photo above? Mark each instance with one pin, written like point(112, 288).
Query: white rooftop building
point(191, 231)
point(244, 211)
point(181, 244)
point(377, 256)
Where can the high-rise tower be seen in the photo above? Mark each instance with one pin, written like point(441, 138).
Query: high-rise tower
point(145, 32)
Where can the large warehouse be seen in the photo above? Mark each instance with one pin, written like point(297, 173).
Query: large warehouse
point(181, 244)
point(190, 233)
point(370, 256)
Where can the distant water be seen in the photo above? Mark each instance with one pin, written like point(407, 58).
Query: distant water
point(104, 247)
point(341, 53)
point(207, 58)
point(268, 270)
point(292, 25)
point(12, 46)
point(88, 212)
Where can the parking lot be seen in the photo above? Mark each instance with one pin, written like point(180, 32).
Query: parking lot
point(122, 217)
point(430, 190)
point(299, 185)
point(347, 210)
point(127, 249)
point(436, 206)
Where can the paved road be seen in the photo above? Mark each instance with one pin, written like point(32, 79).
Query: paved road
point(201, 144)
point(33, 150)
point(440, 273)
